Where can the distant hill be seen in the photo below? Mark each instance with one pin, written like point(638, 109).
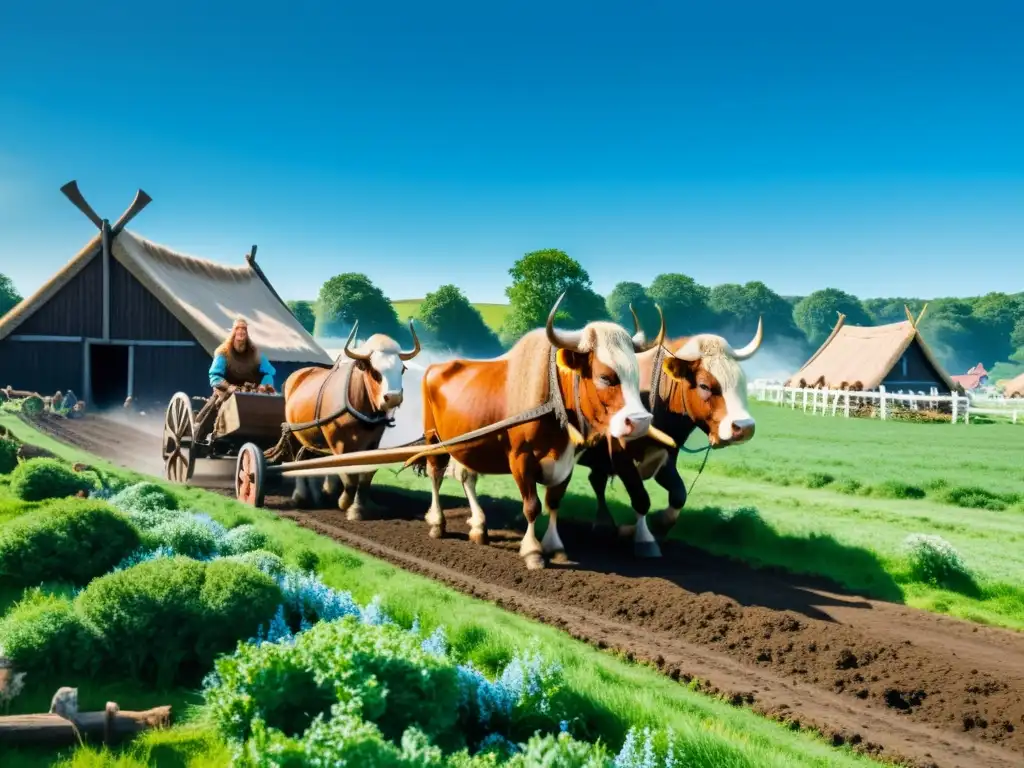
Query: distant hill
point(493, 314)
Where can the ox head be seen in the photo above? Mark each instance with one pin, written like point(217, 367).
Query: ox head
point(382, 362)
point(714, 387)
point(604, 356)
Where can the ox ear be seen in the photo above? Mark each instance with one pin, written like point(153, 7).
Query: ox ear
point(571, 361)
point(678, 369)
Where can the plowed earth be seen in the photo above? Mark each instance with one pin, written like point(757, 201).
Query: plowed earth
point(892, 681)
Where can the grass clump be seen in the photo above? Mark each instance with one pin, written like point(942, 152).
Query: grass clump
point(933, 560)
point(43, 478)
point(68, 540)
point(974, 497)
point(895, 489)
point(43, 635)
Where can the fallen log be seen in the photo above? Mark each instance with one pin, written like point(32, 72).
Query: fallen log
point(107, 727)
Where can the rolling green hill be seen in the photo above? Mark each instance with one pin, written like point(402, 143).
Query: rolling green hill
point(493, 314)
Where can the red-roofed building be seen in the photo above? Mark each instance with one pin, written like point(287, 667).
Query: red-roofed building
point(975, 377)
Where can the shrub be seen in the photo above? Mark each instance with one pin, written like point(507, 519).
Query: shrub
point(68, 540)
point(162, 618)
point(263, 560)
point(8, 455)
point(38, 479)
point(894, 489)
point(972, 496)
point(933, 560)
point(244, 538)
point(43, 635)
point(186, 535)
point(382, 669)
point(32, 405)
point(818, 480)
point(306, 560)
point(144, 498)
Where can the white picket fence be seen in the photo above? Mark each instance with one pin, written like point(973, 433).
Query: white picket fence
point(833, 401)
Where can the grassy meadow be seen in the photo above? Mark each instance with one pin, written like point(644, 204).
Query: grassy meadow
point(838, 498)
point(612, 694)
point(493, 314)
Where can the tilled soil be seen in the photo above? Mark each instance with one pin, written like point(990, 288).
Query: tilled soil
point(890, 680)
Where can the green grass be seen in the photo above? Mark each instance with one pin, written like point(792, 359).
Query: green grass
point(615, 693)
point(493, 314)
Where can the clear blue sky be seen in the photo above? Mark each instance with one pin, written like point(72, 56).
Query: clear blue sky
point(878, 148)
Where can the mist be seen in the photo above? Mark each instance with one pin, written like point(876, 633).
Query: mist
point(776, 360)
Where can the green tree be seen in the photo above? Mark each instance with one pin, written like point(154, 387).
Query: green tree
point(351, 297)
point(538, 279)
point(951, 331)
point(683, 301)
point(1017, 336)
point(624, 294)
point(995, 317)
point(304, 313)
point(9, 296)
point(457, 324)
point(816, 315)
point(885, 311)
point(739, 306)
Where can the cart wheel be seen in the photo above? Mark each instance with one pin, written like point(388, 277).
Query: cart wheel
point(250, 472)
point(179, 437)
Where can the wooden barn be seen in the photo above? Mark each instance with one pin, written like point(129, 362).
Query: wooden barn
point(129, 317)
point(863, 358)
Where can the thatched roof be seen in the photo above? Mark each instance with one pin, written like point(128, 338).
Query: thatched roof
point(204, 296)
point(860, 354)
point(1014, 386)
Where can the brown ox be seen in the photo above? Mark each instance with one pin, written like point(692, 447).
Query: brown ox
point(354, 400)
point(465, 395)
point(700, 385)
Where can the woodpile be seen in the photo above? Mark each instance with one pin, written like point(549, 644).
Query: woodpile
point(107, 727)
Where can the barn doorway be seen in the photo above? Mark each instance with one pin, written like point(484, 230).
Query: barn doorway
point(108, 366)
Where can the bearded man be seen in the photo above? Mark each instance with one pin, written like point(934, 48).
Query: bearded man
point(237, 363)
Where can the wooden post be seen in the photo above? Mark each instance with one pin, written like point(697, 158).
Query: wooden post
point(805, 399)
point(881, 401)
point(956, 406)
point(105, 237)
point(846, 406)
point(131, 370)
point(86, 373)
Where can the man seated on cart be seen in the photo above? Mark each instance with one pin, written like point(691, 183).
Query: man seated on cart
point(238, 362)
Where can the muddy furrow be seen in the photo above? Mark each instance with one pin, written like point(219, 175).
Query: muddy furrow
point(885, 678)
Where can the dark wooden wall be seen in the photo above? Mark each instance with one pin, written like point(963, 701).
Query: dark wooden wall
point(920, 376)
point(43, 367)
point(137, 314)
point(75, 310)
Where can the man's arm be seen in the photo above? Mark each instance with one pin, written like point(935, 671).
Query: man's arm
point(218, 370)
point(268, 372)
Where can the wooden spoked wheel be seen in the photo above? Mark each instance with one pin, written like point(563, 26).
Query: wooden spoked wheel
point(250, 473)
point(179, 436)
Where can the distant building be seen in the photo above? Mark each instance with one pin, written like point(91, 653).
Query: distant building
point(866, 357)
point(129, 318)
point(1014, 387)
point(975, 378)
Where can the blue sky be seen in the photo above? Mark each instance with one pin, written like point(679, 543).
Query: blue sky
point(875, 147)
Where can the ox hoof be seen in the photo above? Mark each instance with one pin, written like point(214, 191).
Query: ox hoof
point(479, 537)
point(646, 549)
point(534, 561)
point(354, 514)
point(436, 532)
point(558, 557)
point(345, 501)
point(626, 531)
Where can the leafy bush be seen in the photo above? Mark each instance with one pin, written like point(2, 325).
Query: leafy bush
point(244, 538)
point(43, 635)
point(32, 405)
point(8, 455)
point(166, 615)
point(186, 535)
point(38, 479)
point(818, 480)
point(68, 540)
point(972, 496)
point(933, 560)
point(380, 668)
point(263, 560)
point(306, 560)
point(144, 497)
point(894, 489)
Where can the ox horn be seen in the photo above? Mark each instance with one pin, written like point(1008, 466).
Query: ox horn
point(639, 346)
point(639, 337)
point(569, 340)
point(753, 346)
point(351, 352)
point(415, 344)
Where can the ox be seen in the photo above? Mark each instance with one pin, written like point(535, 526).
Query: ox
point(699, 384)
point(598, 385)
point(358, 398)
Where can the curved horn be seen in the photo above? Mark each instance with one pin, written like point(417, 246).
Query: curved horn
point(561, 339)
point(639, 337)
point(640, 347)
point(351, 352)
point(415, 342)
point(753, 346)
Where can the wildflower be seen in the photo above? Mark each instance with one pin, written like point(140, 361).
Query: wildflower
point(437, 643)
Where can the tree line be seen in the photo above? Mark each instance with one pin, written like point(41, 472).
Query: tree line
point(962, 331)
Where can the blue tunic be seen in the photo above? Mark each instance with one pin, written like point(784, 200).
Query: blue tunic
point(219, 369)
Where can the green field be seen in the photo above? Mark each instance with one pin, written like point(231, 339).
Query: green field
point(838, 497)
point(493, 314)
point(610, 695)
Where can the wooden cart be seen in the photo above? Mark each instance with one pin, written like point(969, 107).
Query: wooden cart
point(217, 429)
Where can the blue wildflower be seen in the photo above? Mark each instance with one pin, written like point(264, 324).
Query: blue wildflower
point(437, 643)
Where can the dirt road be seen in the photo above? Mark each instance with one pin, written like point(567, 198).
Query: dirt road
point(888, 679)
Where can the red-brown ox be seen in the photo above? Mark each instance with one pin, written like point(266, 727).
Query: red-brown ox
point(700, 385)
point(465, 395)
point(357, 399)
